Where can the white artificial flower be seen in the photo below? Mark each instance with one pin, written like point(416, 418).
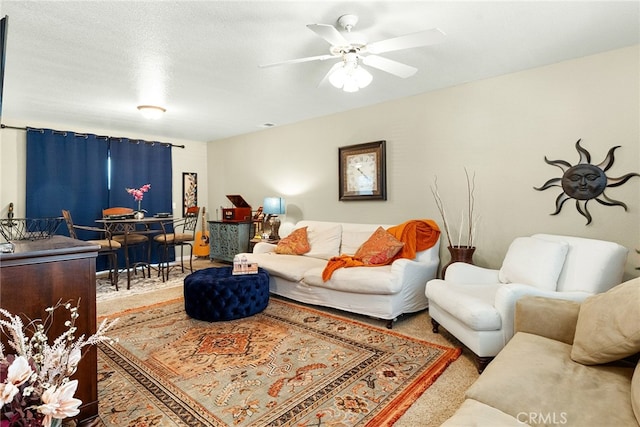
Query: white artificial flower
point(74, 358)
point(7, 392)
point(59, 403)
point(19, 371)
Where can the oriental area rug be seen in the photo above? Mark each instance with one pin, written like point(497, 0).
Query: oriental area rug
point(287, 366)
point(139, 285)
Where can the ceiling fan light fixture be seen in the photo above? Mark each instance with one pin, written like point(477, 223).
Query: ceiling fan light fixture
point(356, 50)
point(350, 77)
point(151, 111)
point(338, 77)
point(362, 76)
point(350, 85)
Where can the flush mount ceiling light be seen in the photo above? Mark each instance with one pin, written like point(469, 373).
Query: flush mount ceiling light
point(151, 111)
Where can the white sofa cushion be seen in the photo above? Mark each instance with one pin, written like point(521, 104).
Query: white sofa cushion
point(591, 265)
point(290, 267)
point(324, 238)
point(533, 261)
point(361, 280)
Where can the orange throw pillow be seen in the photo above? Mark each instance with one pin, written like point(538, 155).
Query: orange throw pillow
point(379, 249)
point(295, 243)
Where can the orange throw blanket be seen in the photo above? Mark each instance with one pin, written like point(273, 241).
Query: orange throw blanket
point(416, 234)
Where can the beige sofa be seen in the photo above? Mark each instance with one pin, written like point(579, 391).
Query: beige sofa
point(383, 292)
point(569, 364)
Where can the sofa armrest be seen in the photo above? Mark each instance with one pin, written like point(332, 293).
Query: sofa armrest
point(264, 247)
point(404, 270)
point(462, 274)
point(547, 317)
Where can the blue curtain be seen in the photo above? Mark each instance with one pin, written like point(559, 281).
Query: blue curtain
point(134, 164)
point(70, 171)
point(66, 170)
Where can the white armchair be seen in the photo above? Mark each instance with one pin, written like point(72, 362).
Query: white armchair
point(476, 305)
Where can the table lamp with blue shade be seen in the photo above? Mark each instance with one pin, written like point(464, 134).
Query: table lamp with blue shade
point(272, 207)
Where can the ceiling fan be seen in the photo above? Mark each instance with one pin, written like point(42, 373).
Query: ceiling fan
point(349, 74)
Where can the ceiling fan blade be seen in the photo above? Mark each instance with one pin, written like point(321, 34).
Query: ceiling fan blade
point(422, 38)
point(392, 67)
point(329, 33)
point(325, 79)
point(299, 60)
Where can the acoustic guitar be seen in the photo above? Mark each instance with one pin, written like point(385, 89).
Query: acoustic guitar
point(201, 243)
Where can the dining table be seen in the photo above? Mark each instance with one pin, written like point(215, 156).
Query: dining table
point(126, 225)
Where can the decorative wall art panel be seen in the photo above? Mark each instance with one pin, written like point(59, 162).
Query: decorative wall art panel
point(585, 181)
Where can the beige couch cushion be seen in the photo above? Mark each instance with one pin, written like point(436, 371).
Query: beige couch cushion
point(559, 320)
point(635, 392)
point(533, 374)
point(475, 414)
point(608, 325)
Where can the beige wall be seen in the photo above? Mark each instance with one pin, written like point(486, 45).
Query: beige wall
point(501, 129)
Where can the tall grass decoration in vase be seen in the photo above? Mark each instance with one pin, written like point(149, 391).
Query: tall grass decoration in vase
point(463, 249)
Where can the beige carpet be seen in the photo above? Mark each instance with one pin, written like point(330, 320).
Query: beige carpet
point(431, 409)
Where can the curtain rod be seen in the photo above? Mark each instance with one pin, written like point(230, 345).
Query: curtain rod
point(79, 134)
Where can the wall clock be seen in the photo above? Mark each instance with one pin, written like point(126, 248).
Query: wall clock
point(362, 171)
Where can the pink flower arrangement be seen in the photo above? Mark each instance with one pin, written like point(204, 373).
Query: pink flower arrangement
point(138, 193)
point(35, 388)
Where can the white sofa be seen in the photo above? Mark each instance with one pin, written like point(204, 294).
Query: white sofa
point(383, 292)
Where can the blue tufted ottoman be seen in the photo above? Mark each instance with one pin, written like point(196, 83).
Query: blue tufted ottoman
point(215, 294)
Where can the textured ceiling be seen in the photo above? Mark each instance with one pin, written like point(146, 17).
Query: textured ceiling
point(90, 63)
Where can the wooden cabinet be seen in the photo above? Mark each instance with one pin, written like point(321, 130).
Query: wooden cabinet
point(38, 275)
point(226, 239)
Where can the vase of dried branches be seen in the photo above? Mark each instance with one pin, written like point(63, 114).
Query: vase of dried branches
point(459, 254)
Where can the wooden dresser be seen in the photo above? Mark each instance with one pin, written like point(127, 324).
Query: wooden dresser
point(226, 239)
point(39, 274)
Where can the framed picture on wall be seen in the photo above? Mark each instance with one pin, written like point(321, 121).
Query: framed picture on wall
point(362, 170)
point(189, 191)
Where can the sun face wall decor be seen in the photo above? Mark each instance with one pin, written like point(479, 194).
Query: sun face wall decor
point(584, 181)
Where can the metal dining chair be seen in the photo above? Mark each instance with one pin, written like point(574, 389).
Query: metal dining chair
point(108, 246)
point(128, 239)
point(180, 232)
